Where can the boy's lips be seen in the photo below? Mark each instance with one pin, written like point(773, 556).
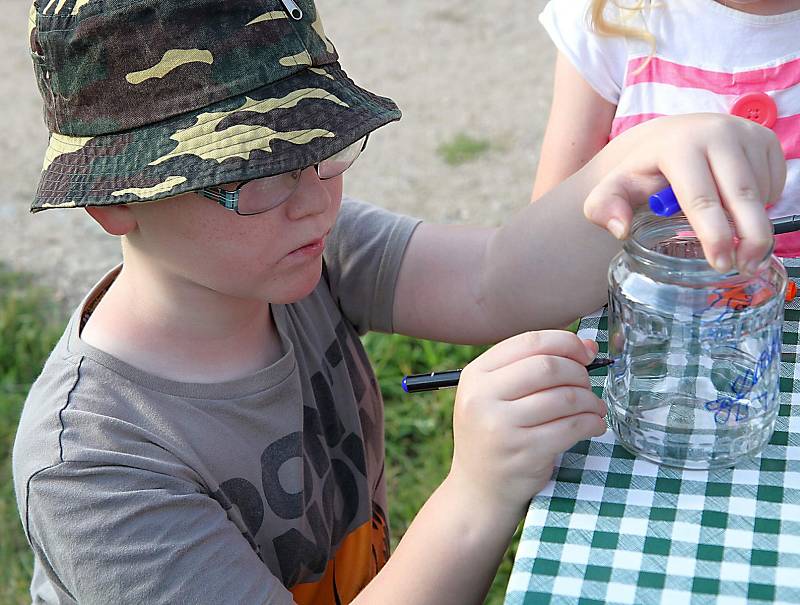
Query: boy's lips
point(310, 249)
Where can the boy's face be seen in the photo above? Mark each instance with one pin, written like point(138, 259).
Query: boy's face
point(274, 256)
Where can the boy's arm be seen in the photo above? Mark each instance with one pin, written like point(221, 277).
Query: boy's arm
point(471, 285)
point(117, 534)
point(518, 406)
point(449, 555)
point(542, 269)
point(578, 127)
point(547, 265)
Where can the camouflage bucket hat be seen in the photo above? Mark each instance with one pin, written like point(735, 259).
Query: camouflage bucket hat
point(147, 99)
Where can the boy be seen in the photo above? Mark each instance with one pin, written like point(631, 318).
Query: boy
point(208, 430)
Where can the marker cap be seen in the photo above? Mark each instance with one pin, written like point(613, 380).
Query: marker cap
point(664, 203)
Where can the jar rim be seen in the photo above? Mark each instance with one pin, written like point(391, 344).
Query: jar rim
point(645, 222)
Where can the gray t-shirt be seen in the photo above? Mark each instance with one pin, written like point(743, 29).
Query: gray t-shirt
point(268, 489)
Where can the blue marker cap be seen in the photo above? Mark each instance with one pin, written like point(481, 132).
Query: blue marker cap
point(405, 385)
point(664, 203)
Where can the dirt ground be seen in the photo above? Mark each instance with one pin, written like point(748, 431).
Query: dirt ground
point(453, 66)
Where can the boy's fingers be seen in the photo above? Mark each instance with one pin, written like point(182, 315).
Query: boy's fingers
point(552, 404)
point(559, 435)
point(538, 373)
point(777, 168)
point(592, 345)
point(747, 179)
point(527, 344)
point(759, 165)
point(744, 198)
point(694, 185)
point(609, 205)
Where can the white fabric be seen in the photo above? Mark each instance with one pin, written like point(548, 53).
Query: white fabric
point(690, 35)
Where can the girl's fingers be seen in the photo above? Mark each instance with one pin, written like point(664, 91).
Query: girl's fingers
point(522, 346)
point(555, 403)
point(539, 373)
point(744, 198)
point(559, 435)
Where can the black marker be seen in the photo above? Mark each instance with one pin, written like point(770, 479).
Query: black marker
point(443, 380)
point(786, 224)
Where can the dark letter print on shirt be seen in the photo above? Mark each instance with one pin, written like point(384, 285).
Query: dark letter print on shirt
point(332, 452)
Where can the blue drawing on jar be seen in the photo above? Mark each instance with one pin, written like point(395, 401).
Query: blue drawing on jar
point(742, 386)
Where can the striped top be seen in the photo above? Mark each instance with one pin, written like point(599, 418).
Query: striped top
point(707, 56)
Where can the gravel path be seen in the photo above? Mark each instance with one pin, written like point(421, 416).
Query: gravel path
point(454, 66)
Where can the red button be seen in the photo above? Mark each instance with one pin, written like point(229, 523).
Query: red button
point(756, 106)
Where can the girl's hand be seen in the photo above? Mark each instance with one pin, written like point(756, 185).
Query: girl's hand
point(716, 164)
point(518, 406)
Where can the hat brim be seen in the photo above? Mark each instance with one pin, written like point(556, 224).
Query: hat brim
point(285, 126)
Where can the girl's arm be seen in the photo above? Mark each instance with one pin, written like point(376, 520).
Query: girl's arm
point(578, 127)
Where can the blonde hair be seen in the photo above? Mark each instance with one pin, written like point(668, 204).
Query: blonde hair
point(604, 27)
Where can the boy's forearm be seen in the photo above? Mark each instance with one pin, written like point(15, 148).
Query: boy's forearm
point(543, 268)
point(546, 266)
point(449, 555)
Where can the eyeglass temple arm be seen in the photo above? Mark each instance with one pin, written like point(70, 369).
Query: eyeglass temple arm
point(227, 198)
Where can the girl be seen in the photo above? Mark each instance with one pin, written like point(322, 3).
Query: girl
point(622, 63)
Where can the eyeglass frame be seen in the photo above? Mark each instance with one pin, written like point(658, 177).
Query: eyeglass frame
point(230, 199)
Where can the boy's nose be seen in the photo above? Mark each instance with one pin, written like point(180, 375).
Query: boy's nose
point(311, 196)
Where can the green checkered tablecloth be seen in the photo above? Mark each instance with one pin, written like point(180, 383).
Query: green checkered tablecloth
point(612, 528)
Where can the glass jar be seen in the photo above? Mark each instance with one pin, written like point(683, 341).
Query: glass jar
point(695, 380)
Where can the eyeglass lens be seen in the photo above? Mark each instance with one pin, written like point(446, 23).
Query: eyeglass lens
point(337, 164)
point(261, 195)
point(264, 194)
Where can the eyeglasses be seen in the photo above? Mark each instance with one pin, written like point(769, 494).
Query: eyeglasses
point(260, 195)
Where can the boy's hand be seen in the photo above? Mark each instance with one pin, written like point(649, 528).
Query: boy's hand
point(518, 406)
point(716, 164)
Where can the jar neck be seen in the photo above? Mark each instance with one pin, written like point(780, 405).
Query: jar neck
point(651, 234)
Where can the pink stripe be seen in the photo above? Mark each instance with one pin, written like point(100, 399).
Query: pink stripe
point(788, 244)
point(788, 131)
point(720, 82)
point(623, 123)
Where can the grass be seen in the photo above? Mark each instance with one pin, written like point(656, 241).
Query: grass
point(462, 148)
point(418, 428)
point(30, 324)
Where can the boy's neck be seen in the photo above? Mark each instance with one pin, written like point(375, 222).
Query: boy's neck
point(763, 7)
point(182, 331)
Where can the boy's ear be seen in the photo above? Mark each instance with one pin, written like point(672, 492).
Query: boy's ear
point(116, 220)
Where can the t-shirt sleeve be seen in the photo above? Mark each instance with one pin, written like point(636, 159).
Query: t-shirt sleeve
point(601, 60)
point(116, 534)
point(363, 256)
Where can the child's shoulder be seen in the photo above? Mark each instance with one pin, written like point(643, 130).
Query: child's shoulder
point(38, 441)
point(363, 255)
